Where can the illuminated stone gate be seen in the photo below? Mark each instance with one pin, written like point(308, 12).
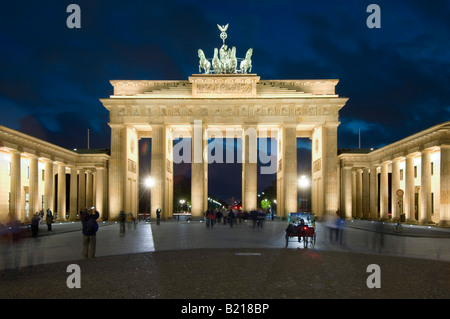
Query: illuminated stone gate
point(226, 101)
point(208, 104)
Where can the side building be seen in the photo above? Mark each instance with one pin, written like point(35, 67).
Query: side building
point(36, 175)
point(407, 180)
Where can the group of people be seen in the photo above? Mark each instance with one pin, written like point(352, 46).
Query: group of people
point(231, 216)
point(126, 219)
point(38, 218)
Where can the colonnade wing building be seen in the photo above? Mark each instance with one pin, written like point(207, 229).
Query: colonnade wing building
point(226, 105)
point(36, 175)
point(410, 177)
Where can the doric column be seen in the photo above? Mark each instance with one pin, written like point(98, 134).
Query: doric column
point(445, 186)
point(49, 196)
point(116, 171)
point(329, 152)
point(249, 168)
point(89, 189)
point(347, 190)
point(395, 199)
point(373, 180)
point(101, 192)
point(157, 168)
point(425, 187)
point(82, 189)
point(199, 170)
point(408, 202)
point(15, 182)
point(73, 193)
point(384, 191)
point(365, 193)
point(33, 196)
point(61, 208)
point(354, 209)
point(359, 193)
point(287, 171)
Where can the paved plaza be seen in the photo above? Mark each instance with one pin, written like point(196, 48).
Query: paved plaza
point(181, 260)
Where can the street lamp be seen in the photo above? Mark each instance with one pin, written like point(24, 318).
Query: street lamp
point(303, 183)
point(149, 183)
point(182, 201)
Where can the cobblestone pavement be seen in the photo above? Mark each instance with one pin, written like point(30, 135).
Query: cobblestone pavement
point(198, 263)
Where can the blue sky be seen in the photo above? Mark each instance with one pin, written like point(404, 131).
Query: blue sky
point(52, 77)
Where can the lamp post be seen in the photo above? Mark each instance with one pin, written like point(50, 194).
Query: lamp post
point(149, 183)
point(303, 183)
point(182, 201)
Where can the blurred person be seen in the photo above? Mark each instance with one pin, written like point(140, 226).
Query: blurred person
point(4, 245)
point(231, 217)
point(158, 216)
point(331, 224)
point(16, 236)
point(130, 220)
point(90, 228)
point(122, 220)
point(340, 226)
point(225, 216)
point(210, 217)
point(49, 219)
point(35, 225)
point(378, 237)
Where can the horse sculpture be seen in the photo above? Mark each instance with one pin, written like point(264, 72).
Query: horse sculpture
point(217, 65)
point(233, 60)
point(204, 63)
point(246, 64)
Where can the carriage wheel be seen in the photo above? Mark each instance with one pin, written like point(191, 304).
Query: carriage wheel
point(313, 240)
point(305, 241)
point(287, 240)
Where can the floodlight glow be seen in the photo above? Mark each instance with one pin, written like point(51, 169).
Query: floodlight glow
point(303, 181)
point(149, 182)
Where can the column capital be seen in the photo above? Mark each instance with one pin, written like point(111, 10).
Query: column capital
point(116, 125)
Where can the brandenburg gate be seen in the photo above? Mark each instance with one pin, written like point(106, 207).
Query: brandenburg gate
point(226, 100)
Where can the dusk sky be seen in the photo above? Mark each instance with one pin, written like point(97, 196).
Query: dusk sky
point(52, 77)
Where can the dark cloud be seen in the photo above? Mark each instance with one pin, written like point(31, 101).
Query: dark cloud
point(52, 77)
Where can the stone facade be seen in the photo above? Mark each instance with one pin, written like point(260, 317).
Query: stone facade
point(409, 177)
point(283, 110)
point(36, 175)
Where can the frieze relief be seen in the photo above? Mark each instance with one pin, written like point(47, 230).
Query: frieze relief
point(224, 88)
point(317, 165)
point(224, 110)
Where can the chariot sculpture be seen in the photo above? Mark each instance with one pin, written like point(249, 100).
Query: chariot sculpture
point(224, 60)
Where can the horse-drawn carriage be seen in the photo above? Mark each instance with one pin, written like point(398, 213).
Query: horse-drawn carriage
point(302, 226)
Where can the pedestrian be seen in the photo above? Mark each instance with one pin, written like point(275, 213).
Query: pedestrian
point(331, 223)
point(35, 225)
point(225, 216)
point(90, 228)
point(210, 218)
point(254, 216)
point(49, 219)
point(122, 219)
point(231, 218)
point(41, 215)
point(129, 220)
point(158, 216)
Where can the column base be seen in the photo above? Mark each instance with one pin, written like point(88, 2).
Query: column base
point(427, 222)
point(444, 223)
